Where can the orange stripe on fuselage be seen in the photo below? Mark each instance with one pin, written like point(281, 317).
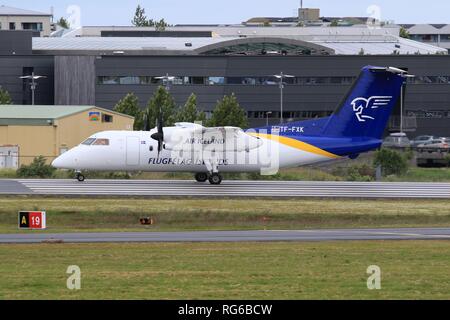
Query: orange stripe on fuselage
point(297, 144)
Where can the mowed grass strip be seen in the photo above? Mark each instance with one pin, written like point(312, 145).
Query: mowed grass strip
point(330, 270)
point(64, 215)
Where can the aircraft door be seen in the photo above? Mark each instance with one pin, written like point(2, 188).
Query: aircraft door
point(133, 151)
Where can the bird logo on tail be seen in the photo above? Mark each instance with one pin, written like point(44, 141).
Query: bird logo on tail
point(362, 105)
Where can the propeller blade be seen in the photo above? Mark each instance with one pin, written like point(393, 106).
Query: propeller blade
point(159, 135)
point(146, 124)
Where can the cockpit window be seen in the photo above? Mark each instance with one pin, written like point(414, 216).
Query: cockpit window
point(101, 142)
point(88, 142)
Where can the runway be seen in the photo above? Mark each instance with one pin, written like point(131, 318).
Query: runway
point(233, 236)
point(178, 188)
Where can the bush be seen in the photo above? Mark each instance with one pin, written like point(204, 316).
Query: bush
point(447, 160)
point(391, 162)
point(37, 169)
point(360, 172)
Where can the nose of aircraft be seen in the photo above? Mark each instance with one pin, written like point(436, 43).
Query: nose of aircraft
point(64, 161)
point(58, 163)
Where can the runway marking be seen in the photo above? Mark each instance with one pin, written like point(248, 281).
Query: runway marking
point(281, 189)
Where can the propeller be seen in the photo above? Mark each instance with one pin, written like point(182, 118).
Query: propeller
point(159, 135)
point(146, 124)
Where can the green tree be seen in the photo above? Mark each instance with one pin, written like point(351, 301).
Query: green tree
point(161, 25)
point(130, 105)
point(404, 33)
point(334, 23)
point(63, 23)
point(140, 19)
point(161, 100)
point(228, 112)
point(5, 98)
point(202, 118)
point(189, 112)
point(391, 162)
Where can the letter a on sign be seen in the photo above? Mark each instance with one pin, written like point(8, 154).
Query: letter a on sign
point(24, 221)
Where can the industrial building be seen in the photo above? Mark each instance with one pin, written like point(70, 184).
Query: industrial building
point(100, 65)
point(30, 131)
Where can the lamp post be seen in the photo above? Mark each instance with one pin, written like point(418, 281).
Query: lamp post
point(267, 117)
point(402, 102)
point(166, 80)
point(33, 84)
point(281, 77)
point(401, 107)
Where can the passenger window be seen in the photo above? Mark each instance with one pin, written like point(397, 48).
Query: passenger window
point(88, 142)
point(101, 142)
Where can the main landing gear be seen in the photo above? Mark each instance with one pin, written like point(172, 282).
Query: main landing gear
point(214, 178)
point(201, 177)
point(79, 176)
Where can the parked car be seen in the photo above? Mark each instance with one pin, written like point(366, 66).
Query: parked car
point(433, 153)
point(396, 140)
point(439, 143)
point(421, 140)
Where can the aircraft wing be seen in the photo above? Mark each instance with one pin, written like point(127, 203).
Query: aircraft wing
point(192, 137)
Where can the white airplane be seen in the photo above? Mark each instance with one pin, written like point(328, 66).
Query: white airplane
point(357, 126)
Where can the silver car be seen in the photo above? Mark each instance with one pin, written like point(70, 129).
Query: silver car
point(421, 140)
point(439, 143)
point(397, 140)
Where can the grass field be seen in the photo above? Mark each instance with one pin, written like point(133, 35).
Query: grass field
point(328, 270)
point(64, 215)
point(337, 270)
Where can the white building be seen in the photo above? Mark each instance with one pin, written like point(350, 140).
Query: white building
point(20, 19)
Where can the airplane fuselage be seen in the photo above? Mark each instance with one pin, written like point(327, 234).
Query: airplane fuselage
point(137, 151)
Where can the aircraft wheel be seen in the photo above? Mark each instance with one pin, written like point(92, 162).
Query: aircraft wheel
point(215, 179)
point(80, 177)
point(201, 177)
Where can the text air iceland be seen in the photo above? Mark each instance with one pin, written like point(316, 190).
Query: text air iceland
point(205, 141)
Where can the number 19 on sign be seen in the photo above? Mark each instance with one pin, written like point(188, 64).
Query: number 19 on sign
point(32, 220)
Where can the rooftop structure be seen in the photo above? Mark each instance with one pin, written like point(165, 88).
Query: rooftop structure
point(236, 40)
point(10, 11)
point(21, 19)
point(433, 34)
point(41, 115)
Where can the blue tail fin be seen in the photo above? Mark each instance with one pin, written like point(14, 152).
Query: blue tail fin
point(366, 109)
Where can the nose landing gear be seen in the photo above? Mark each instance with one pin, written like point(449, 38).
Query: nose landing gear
point(79, 176)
